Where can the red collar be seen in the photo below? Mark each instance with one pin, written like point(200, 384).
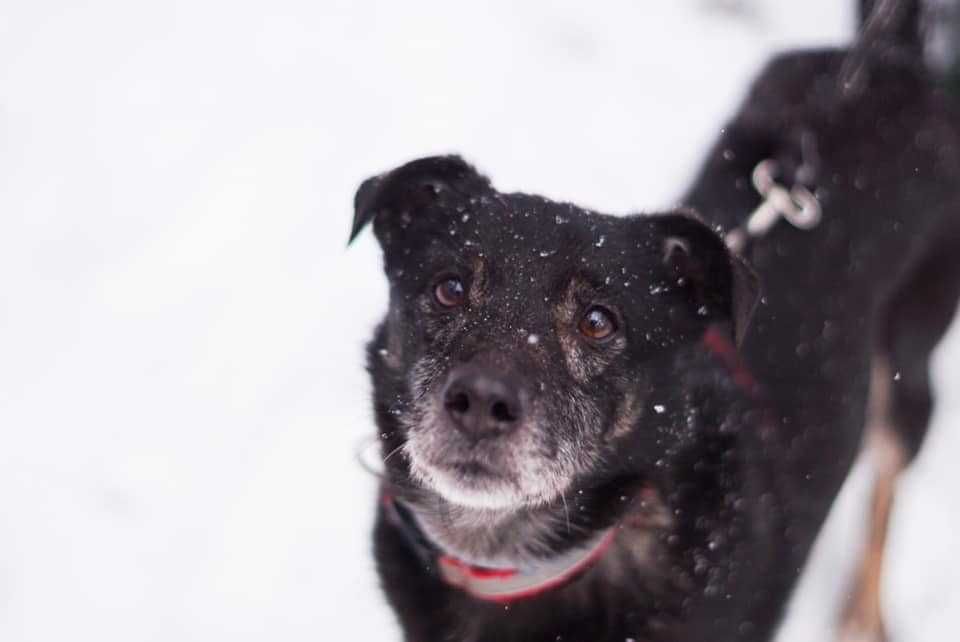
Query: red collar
point(508, 585)
point(717, 341)
point(500, 585)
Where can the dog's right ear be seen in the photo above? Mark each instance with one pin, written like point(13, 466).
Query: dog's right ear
point(715, 277)
point(393, 197)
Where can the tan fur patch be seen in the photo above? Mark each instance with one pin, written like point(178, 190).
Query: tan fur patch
point(627, 415)
point(479, 287)
point(862, 618)
point(564, 313)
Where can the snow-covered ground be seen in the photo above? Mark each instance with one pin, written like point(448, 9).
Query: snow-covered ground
point(181, 325)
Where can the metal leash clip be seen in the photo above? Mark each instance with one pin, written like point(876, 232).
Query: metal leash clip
point(797, 205)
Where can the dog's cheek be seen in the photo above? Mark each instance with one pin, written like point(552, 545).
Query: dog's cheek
point(436, 331)
point(417, 346)
point(542, 463)
point(424, 376)
point(393, 351)
point(421, 440)
point(431, 343)
point(570, 427)
point(402, 339)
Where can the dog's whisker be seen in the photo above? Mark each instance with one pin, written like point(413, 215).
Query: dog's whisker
point(566, 510)
point(393, 452)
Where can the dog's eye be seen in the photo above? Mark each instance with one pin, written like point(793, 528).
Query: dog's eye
point(449, 292)
point(597, 323)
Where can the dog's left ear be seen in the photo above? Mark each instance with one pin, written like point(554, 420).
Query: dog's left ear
point(720, 281)
point(410, 189)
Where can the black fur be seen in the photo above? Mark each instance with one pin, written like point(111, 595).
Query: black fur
point(720, 482)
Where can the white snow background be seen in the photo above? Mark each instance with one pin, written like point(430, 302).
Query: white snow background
point(182, 326)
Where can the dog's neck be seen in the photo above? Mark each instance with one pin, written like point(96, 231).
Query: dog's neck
point(526, 537)
point(501, 584)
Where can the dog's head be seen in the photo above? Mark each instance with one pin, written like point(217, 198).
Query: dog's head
point(522, 336)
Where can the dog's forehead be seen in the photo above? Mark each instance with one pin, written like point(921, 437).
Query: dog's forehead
point(520, 231)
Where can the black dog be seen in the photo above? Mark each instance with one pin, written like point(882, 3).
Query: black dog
point(598, 427)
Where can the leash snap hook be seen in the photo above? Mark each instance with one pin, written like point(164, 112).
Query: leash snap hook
point(798, 205)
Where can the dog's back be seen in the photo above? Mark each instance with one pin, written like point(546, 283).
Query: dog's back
point(853, 308)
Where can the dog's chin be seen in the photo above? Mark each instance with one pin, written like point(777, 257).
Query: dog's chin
point(501, 477)
point(477, 489)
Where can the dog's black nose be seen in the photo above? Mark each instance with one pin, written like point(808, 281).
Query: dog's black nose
point(482, 404)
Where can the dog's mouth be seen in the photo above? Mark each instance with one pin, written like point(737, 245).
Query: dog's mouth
point(472, 483)
point(507, 475)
